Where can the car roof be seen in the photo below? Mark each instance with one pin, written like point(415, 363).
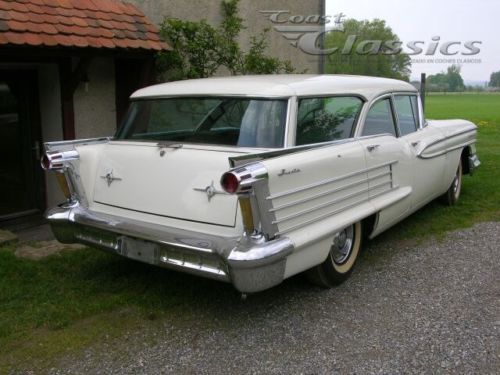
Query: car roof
point(277, 85)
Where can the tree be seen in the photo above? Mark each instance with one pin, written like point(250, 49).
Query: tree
point(495, 79)
point(200, 49)
point(367, 48)
point(438, 82)
point(454, 78)
point(450, 81)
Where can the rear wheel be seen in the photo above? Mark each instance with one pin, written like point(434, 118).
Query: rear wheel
point(339, 264)
point(453, 194)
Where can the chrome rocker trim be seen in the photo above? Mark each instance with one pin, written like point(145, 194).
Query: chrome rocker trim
point(251, 264)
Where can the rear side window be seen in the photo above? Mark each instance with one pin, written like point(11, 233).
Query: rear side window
point(406, 108)
point(326, 119)
point(379, 119)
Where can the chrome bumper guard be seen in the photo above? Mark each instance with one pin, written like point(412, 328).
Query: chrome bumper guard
point(250, 264)
point(474, 163)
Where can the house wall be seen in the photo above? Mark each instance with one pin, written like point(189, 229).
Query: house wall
point(94, 108)
point(50, 121)
point(94, 102)
point(255, 22)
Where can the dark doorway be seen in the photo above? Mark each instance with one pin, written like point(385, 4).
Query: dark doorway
point(21, 187)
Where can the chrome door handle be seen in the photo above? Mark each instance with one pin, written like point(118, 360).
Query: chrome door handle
point(370, 148)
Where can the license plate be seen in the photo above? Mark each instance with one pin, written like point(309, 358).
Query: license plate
point(142, 251)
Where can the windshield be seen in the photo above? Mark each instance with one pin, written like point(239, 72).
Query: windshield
point(244, 122)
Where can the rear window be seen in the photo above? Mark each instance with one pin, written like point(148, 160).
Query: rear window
point(244, 122)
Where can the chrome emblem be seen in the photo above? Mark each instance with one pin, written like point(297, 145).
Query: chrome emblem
point(285, 172)
point(110, 178)
point(211, 191)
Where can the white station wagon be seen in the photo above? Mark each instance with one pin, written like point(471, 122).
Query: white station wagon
point(254, 179)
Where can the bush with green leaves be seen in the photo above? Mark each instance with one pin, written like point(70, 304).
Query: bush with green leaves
point(199, 49)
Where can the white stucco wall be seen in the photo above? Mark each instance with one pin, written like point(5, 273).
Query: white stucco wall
point(94, 110)
point(254, 21)
point(95, 107)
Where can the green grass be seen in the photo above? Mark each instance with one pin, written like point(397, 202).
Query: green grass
point(74, 299)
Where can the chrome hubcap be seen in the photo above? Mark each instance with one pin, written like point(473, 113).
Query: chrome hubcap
point(342, 245)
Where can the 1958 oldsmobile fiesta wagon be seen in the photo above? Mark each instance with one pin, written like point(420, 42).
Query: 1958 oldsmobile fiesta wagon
point(254, 179)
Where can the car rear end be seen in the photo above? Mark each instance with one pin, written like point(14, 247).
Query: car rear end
point(153, 194)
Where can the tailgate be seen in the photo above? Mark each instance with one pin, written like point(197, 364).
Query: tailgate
point(169, 182)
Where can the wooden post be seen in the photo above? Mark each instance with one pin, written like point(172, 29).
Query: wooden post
point(423, 79)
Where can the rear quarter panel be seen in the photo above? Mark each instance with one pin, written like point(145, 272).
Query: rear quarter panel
point(314, 194)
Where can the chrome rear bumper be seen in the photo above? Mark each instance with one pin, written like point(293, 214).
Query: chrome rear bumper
point(250, 264)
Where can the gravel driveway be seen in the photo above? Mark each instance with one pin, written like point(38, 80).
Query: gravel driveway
point(429, 308)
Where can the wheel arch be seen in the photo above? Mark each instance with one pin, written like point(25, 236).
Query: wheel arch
point(369, 224)
point(464, 159)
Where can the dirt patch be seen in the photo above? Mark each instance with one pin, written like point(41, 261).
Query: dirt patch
point(7, 237)
point(42, 249)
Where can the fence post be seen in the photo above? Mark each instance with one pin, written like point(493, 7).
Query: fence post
point(423, 78)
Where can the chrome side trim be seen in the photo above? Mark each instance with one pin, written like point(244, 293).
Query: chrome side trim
point(316, 196)
point(330, 203)
point(332, 191)
point(340, 210)
point(67, 145)
point(241, 160)
point(364, 192)
point(290, 122)
point(439, 153)
point(236, 161)
point(330, 180)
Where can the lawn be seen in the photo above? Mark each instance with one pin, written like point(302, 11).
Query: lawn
point(67, 301)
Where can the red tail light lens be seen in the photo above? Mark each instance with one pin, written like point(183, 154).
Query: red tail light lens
point(229, 183)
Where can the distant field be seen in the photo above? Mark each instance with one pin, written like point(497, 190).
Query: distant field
point(473, 107)
point(72, 300)
point(480, 200)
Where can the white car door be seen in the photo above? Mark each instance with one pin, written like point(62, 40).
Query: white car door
point(388, 158)
point(428, 173)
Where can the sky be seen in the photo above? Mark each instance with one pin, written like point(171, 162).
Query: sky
point(451, 20)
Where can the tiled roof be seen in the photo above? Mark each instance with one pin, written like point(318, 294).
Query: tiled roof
point(77, 23)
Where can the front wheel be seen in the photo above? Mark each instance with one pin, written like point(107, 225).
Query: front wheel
point(339, 264)
point(453, 193)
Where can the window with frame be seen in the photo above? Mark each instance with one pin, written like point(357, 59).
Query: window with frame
point(232, 121)
point(380, 119)
point(326, 119)
point(407, 109)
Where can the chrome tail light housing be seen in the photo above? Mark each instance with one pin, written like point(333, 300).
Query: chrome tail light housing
point(54, 160)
